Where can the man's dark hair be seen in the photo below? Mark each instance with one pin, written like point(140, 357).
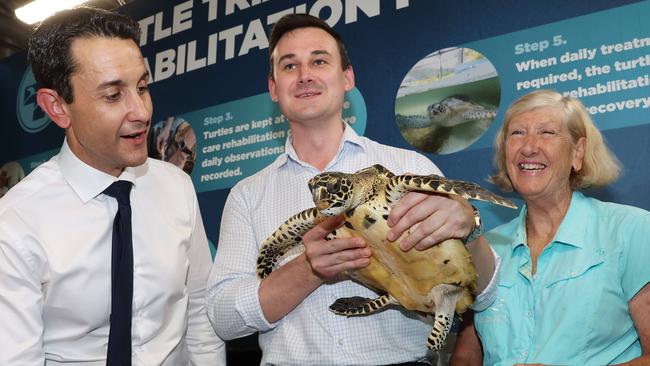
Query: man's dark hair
point(49, 46)
point(291, 22)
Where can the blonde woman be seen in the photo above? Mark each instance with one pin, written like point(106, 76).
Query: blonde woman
point(573, 287)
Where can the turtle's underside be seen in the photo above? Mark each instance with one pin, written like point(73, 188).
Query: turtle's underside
point(440, 280)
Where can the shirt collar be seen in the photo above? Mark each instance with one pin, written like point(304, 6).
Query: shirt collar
point(519, 237)
point(86, 181)
point(576, 220)
point(350, 137)
point(571, 230)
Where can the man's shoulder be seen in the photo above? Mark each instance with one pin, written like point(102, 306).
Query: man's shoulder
point(399, 160)
point(45, 178)
point(158, 169)
point(259, 178)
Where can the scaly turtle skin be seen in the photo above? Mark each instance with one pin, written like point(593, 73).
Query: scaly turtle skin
point(439, 280)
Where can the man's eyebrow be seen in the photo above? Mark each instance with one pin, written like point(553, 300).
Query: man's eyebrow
point(313, 53)
point(284, 57)
point(319, 52)
point(120, 82)
point(110, 83)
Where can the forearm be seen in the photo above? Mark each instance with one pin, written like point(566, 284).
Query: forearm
point(640, 311)
point(639, 361)
point(484, 261)
point(468, 350)
point(286, 287)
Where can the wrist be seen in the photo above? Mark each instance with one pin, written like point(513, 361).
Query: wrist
point(478, 228)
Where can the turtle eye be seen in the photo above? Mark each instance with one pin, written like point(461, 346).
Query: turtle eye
point(333, 186)
point(436, 109)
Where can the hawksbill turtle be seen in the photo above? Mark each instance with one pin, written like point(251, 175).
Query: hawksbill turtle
point(447, 126)
point(439, 280)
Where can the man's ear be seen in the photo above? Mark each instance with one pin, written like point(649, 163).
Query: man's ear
point(274, 95)
point(349, 78)
point(53, 104)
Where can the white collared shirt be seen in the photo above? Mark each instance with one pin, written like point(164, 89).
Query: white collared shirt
point(310, 334)
point(55, 267)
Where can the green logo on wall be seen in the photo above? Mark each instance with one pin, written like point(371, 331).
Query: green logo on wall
point(30, 115)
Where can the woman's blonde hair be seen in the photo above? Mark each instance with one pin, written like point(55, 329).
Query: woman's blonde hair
point(599, 167)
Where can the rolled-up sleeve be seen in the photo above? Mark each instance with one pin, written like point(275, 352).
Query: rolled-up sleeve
point(233, 304)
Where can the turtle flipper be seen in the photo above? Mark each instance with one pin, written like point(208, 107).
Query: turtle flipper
point(445, 297)
point(287, 236)
point(412, 121)
point(354, 306)
point(399, 185)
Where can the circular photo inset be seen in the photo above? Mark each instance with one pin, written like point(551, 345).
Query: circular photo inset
point(447, 100)
point(173, 140)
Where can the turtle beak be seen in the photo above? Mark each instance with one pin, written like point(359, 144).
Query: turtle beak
point(320, 197)
point(322, 205)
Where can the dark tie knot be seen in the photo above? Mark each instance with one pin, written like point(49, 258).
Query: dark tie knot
point(120, 191)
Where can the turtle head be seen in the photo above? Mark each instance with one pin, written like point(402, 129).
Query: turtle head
point(332, 193)
point(437, 111)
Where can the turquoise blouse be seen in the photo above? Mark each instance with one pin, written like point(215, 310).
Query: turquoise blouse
point(573, 311)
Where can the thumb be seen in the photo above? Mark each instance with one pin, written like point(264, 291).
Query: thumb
point(325, 227)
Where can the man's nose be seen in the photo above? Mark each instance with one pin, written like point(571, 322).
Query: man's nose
point(139, 107)
point(305, 74)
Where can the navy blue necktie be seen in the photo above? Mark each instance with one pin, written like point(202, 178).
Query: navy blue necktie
point(119, 337)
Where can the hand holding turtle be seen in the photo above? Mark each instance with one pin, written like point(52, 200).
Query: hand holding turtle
point(432, 217)
point(328, 258)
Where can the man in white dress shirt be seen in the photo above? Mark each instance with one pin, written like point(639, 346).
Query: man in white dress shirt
point(310, 73)
point(56, 225)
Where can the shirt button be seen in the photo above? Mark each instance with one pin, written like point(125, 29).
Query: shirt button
point(529, 313)
point(340, 342)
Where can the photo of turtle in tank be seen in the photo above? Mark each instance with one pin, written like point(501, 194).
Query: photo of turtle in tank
point(448, 125)
point(448, 100)
point(441, 280)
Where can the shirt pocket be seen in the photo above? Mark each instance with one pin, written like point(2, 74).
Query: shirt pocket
point(590, 268)
point(577, 298)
